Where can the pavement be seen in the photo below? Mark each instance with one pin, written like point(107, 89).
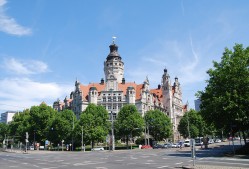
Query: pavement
point(210, 167)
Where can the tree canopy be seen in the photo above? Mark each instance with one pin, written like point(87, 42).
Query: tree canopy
point(159, 124)
point(225, 100)
point(193, 121)
point(95, 123)
point(129, 122)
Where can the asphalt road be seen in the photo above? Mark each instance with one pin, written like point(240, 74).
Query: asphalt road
point(144, 159)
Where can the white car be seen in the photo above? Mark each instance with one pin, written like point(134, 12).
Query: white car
point(176, 145)
point(217, 141)
point(211, 141)
point(98, 149)
point(186, 143)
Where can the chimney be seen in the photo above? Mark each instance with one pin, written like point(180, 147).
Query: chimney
point(159, 86)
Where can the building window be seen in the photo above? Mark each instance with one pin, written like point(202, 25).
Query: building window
point(104, 99)
point(109, 107)
point(119, 99)
point(109, 99)
point(114, 99)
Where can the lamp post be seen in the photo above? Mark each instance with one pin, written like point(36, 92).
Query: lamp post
point(72, 133)
point(82, 139)
point(34, 141)
point(112, 138)
point(188, 126)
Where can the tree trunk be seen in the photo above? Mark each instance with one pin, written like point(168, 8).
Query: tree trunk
point(126, 142)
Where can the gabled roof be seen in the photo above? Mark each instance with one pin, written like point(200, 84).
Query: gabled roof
point(85, 89)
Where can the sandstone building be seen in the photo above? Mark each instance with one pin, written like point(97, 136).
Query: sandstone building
point(114, 92)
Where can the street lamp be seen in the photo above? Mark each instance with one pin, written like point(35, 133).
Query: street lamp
point(72, 133)
point(82, 139)
point(34, 140)
point(112, 138)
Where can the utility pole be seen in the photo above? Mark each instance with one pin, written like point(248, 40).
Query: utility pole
point(27, 137)
point(82, 140)
point(72, 132)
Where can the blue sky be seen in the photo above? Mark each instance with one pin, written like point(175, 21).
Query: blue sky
point(45, 45)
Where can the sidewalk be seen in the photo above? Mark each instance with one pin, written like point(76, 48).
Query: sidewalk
point(210, 167)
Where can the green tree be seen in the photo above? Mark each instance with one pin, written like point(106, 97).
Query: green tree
point(20, 125)
point(129, 122)
point(225, 99)
point(41, 118)
point(95, 124)
point(159, 124)
point(193, 121)
point(62, 127)
point(4, 131)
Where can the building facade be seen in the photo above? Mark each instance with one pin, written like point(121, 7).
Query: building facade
point(114, 92)
point(7, 116)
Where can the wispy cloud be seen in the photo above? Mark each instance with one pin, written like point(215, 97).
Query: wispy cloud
point(24, 67)
point(20, 93)
point(9, 25)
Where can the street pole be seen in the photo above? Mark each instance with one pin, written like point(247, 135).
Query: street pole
point(113, 138)
point(34, 141)
point(72, 133)
point(82, 140)
point(148, 135)
point(145, 136)
point(131, 139)
point(113, 147)
point(188, 127)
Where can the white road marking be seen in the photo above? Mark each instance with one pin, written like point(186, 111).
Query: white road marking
point(87, 163)
point(179, 163)
point(119, 160)
point(13, 166)
point(163, 166)
point(101, 168)
point(36, 166)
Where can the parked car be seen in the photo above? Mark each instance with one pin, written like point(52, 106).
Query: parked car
point(146, 147)
point(168, 145)
point(98, 149)
point(217, 141)
point(199, 141)
point(186, 143)
point(175, 145)
point(156, 146)
point(211, 141)
point(31, 148)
